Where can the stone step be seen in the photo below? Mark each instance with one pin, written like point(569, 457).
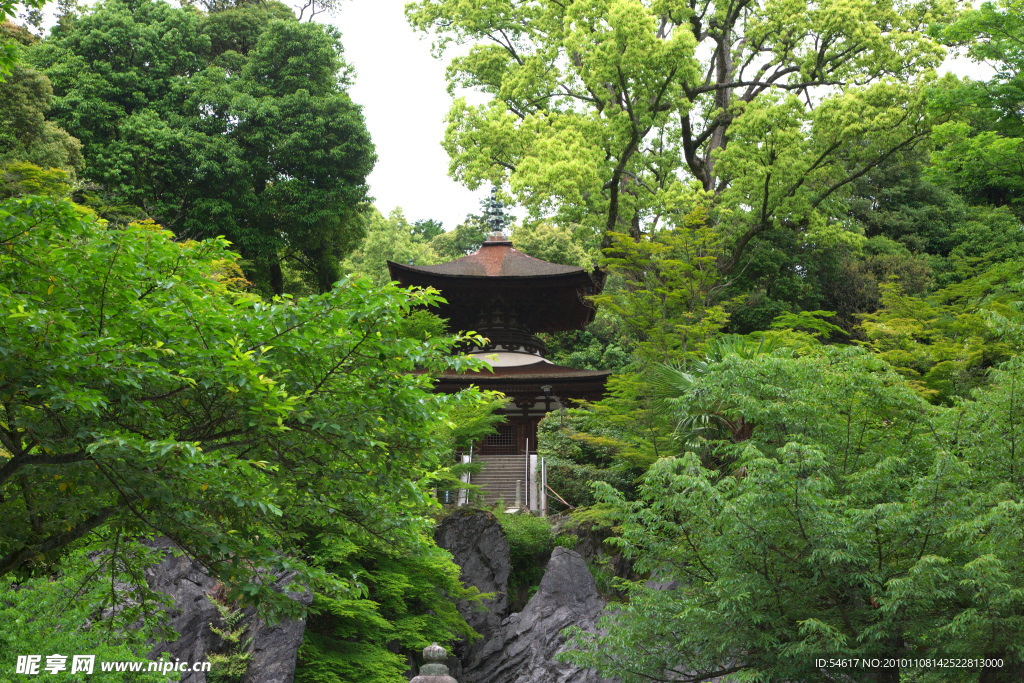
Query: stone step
point(499, 476)
point(503, 469)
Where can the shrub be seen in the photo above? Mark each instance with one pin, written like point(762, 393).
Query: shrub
point(530, 544)
point(58, 614)
point(409, 603)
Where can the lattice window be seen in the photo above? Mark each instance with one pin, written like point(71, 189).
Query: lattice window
point(506, 436)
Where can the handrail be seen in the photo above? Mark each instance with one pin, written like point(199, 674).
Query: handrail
point(571, 507)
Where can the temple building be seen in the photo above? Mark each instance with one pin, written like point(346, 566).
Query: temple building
point(508, 298)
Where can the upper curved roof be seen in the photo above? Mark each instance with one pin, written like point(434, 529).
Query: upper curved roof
point(495, 259)
point(500, 286)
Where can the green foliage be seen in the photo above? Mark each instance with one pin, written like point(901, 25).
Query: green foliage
point(464, 239)
point(9, 39)
point(568, 435)
point(943, 343)
point(409, 604)
point(599, 516)
point(427, 228)
point(388, 239)
point(639, 418)
point(812, 322)
point(981, 151)
point(20, 178)
point(140, 393)
point(236, 124)
point(605, 580)
point(700, 418)
point(580, 449)
point(853, 520)
point(600, 113)
point(590, 349)
point(896, 200)
point(565, 541)
point(669, 290)
point(987, 238)
point(552, 243)
point(529, 544)
point(634, 425)
point(25, 133)
point(230, 666)
point(61, 612)
point(574, 482)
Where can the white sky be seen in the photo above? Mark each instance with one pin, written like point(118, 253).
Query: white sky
point(402, 90)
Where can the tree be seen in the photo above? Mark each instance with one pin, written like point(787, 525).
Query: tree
point(236, 124)
point(410, 603)
point(981, 151)
point(464, 239)
point(8, 42)
point(943, 343)
point(23, 178)
point(25, 133)
point(668, 289)
point(46, 614)
point(25, 99)
point(141, 395)
point(664, 296)
point(551, 243)
point(603, 111)
point(388, 239)
point(849, 520)
point(427, 228)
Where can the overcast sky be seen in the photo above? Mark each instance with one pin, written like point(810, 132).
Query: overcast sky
point(402, 90)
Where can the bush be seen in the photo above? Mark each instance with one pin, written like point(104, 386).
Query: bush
point(573, 482)
point(530, 544)
point(580, 449)
point(50, 615)
point(409, 603)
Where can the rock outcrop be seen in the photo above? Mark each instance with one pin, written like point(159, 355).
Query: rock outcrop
point(274, 648)
point(480, 549)
point(524, 647)
point(590, 544)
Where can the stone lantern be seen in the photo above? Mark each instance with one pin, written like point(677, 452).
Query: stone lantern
point(434, 671)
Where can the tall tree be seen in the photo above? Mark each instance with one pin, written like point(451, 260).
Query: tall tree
point(388, 239)
point(982, 150)
point(846, 519)
point(237, 124)
point(140, 394)
point(26, 135)
point(605, 111)
point(9, 43)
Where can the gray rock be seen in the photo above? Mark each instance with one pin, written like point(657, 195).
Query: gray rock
point(523, 649)
point(479, 547)
point(274, 648)
point(590, 544)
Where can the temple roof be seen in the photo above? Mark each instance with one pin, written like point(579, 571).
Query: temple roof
point(527, 381)
point(499, 285)
point(493, 259)
point(540, 370)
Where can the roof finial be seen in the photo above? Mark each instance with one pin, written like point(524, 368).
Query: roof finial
point(494, 215)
